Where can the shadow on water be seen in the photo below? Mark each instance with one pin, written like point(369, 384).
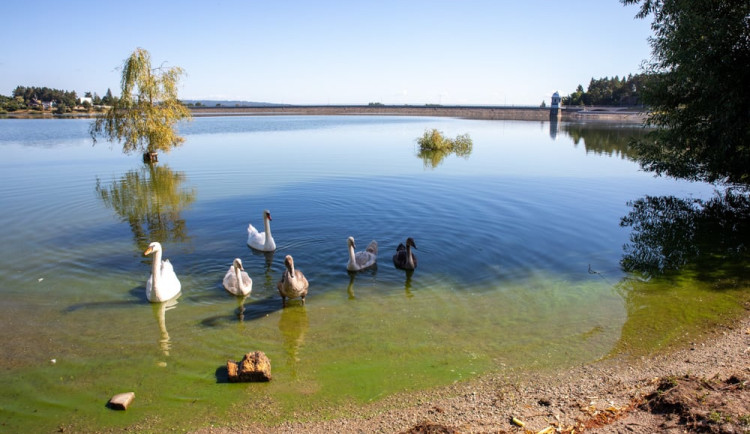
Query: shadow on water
point(245, 312)
point(222, 375)
point(138, 293)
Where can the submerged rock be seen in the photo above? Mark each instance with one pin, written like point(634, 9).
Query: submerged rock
point(254, 367)
point(121, 401)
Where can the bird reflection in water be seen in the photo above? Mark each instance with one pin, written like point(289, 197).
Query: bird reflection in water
point(293, 324)
point(407, 283)
point(269, 281)
point(350, 287)
point(241, 307)
point(370, 274)
point(160, 310)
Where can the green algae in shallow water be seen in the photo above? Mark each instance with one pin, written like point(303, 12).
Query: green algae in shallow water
point(336, 352)
point(672, 309)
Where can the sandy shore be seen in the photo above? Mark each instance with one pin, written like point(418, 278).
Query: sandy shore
point(609, 396)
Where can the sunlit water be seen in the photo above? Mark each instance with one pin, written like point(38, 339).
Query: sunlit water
point(519, 246)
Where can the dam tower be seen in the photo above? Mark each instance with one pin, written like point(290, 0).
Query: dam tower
point(555, 108)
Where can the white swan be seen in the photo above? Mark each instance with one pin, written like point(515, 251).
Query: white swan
point(236, 281)
point(364, 259)
point(293, 283)
point(404, 258)
point(163, 283)
point(262, 241)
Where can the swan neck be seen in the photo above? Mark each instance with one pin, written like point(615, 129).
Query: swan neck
point(267, 225)
point(352, 257)
point(409, 257)
point(156, 271)
point(269, 244)
point(240, 282)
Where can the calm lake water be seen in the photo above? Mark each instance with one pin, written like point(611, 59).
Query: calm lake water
point(520, 248)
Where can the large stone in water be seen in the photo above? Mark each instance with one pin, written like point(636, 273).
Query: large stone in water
point(253, 367)
point(121, 401)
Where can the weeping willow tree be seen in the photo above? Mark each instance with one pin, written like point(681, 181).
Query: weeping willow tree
point(144, 117)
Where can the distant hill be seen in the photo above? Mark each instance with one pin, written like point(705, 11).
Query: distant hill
point(229, 103)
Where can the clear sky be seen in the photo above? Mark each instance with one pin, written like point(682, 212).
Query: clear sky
point(418, 52)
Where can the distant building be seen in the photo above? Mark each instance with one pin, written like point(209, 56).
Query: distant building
point(556, 100)
point(555, 109)
point(85, 99)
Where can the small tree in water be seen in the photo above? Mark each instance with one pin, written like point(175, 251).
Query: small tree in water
point(143, 117)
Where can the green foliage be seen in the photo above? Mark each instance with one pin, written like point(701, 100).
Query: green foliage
point(32, 95)
point(434, 147)
point(107, 99)
point(433, 140)
point(143, 117)
point(698, 90)
point(62, 109)
point(616, 91)
point(8, 104)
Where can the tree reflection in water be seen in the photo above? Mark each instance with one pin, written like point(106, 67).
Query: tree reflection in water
point(610, 140)
point(669, 233)
point(150, 200)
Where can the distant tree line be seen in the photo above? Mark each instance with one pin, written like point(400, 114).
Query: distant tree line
point(615, 91)
point(61, 101)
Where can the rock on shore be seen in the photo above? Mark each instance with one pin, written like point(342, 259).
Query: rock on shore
point(253, 367)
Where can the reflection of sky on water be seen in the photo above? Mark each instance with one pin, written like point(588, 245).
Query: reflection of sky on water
point(506, 239)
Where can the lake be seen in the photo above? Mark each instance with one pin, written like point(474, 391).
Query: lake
point(525, 263)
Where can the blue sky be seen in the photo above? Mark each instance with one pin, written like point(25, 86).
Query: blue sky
point(328, 52)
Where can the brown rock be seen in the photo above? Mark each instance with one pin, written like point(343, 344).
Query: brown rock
point(254, 367)
point(121, 401)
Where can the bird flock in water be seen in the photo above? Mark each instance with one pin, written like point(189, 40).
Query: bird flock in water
point(164, 285)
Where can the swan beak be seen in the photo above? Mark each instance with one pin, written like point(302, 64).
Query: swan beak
point(148, 251)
